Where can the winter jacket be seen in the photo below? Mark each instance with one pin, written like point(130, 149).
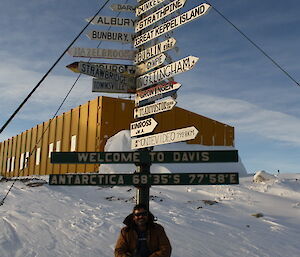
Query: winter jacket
point(157, 240)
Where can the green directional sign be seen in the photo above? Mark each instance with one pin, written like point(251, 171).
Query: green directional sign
point(96, 179)
point(145, 157)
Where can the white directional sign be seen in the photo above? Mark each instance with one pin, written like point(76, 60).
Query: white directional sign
point(155, 93)
point(122, 37)
point(111, 21)
point(122, 7)
point(150, 64)
point(102, 53)
point(172, 24)
point(162, 106)
point(159, 14)
point(167, 71)
point(147, 6)
point(104, 86)
point(142, 127)
point(168, 137)
point(155, 50)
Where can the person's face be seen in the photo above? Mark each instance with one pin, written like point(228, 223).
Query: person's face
point(140, 217)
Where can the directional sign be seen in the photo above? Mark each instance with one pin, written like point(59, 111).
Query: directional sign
point(151, 109)
point(96, 179)
point(122, 7)
point(111, 21)
point(147, 6)
point(172, 24)
point(159, 14)
point(142, 127)
point(155, 93)
point(155, 50)
point(145, 157)
point(167, 71)
point(168, 137)
point(122, 37)
point(119, 68)
point(113, 86)
point(102, 53)
point(150, 64)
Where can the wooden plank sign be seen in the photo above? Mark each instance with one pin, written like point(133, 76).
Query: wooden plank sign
point(142, 127)
point(168, 137)
point(167, 71)
point(122, 37)
point(111, 21)
point(150, 64)
point(104, 86)
point(172, 24)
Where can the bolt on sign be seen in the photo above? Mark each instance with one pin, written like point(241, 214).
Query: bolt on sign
point(155, 50)
point(161, 106)
point(96, 179)
point(168, 137)
point(122, 37)
point(150, 64)
point(102, 53)
point(155, 93)
point(145, 157)
point(112, 87)
point(111, 21)
point(159, 14)
point(122, 8)
point(167, 71)
point(172, 24)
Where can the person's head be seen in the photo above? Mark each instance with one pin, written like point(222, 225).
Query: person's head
point(140, 215)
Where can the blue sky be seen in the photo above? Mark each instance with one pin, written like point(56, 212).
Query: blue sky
point(232, 82)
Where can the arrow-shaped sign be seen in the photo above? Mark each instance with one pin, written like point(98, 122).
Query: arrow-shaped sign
point(155, 50)
point(155, 93)
point(159, 14)
point(119, 68)
point(168, 137)
point(162, 106)
point(147, 6)
point(142, 127)
point(104, 86)
point(102, 53)
point(167, 71)
point(122, 37)
point(122, 7)
point(150, 64)
point(172, 24)
point(111, 21)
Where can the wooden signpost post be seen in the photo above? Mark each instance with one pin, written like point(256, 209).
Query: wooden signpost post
point(150, 85)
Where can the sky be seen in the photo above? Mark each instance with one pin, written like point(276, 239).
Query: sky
point(258, 217)
point(232, 82)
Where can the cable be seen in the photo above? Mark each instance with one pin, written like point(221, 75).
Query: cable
point(256, 46)
point(43, 78)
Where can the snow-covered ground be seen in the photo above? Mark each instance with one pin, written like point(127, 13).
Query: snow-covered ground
point(250, 219)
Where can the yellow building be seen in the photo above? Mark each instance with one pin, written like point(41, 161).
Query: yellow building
point(86, 128)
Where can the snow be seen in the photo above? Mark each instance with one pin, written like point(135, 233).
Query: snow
point(253, 219)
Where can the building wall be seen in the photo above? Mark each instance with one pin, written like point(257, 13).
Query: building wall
point(86, 128)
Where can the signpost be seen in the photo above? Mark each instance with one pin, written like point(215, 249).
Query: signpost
point(111, 21)
point(142, 127)
point(107, 86)
point(155, 93)
point(167, 71)
point(159, 14)
point(168, 137)
point(102, 53)
point(155, 50)
point(122, 7)
point(145, 157)
point(122, 37)
point(119, 68)
point(162, 106)
point(160, 179)
point(150, 64)
point(172, 24)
